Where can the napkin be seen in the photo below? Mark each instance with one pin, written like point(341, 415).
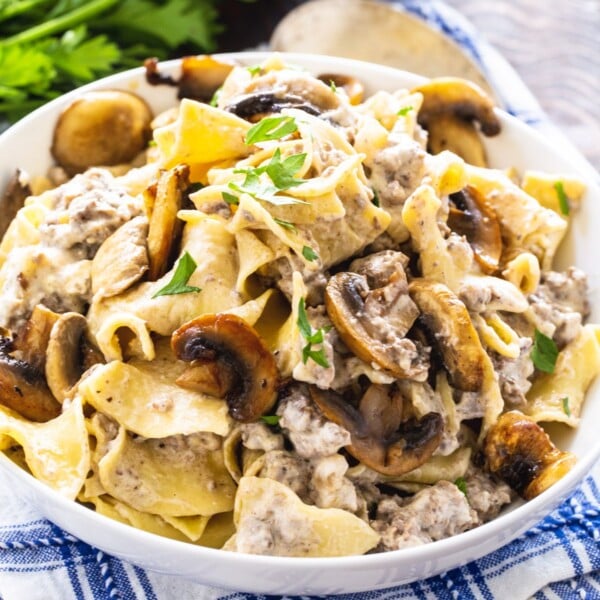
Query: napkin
point(558, 558)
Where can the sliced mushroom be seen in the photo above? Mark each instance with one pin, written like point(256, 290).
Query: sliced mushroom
point(24, 390)
point(449, 132)
point(255, 106)
point(164, 225)
point(447, 320)
point(12, 200)
point(472, 216)
point(521, 453)
point(121, 260)
point(379, 438)
point(373, 323)
point(241, 356)
point(68, 354)
point(353, 88)
point(201, 76)
point(31, 340)
point(450, 106)
point(103, 127)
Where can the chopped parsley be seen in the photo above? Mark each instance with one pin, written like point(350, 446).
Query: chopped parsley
point(544, 352)
point(215, 97)
point(461, 484)
point(270, 419)
point(285, 224)
point(375, 200)
point(405, 110)
point(254, 70)
point(271, 128)
point(280, 172)
point(565, 406)
point(186, 265)
point(332, 86)
point(230, 198)
point(309, 254)
point(563, 201)
point(311, 337)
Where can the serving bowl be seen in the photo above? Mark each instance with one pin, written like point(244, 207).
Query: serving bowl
point(26, 146)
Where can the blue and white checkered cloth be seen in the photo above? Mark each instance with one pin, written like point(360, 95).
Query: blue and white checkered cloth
point(557, 559)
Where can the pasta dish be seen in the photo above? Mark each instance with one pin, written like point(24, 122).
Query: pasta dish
point(282, 318)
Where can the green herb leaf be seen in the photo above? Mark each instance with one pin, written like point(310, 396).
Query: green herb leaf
point(178, 284)
point(312, 337)
point(285, 224)
point(563, 201)
point(270, 128)
point(405, 110)
point(230, 198)
point(565, 406)
point(544, 352)
point(309, 254)
point(270, 419)
point(461, 484)
point(375, 200)
point(332, 86)
point(254, 70)
point(282, 172)
point(214, 101)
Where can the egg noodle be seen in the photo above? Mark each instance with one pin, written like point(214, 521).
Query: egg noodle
point(293, 330)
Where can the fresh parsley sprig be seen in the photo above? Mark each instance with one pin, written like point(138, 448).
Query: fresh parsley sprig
point(405, 110)
point(544, 352)
point(563, 201)
point(186, 265)
point(271, 128)
point(311, 337)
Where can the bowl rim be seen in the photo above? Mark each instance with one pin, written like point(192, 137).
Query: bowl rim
point(526, 512)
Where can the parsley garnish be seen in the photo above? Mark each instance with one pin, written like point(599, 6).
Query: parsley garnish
point(332, 86)
point(214, 101)
point(282, 177)
point(405, 110)
point(186, 265)
point(311, 337)
point(271, 128)
point(309, 254)
point(565, 406)
point(285, 224)
point(461, 484)
point(375, 200)
point(544, 352)
point(230, 198)
point(270, 419)
point(563, 201)
point(254, 70)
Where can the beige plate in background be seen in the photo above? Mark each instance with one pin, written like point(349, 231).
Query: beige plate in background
point(374, 32)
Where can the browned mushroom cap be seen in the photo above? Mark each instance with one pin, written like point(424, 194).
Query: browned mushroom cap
point(164, 225)
point(354, 88)
point(447, 319)
point(12, 200)
point(103, 127)
point(450, 107)
point(24, 390)
point(472, 216)
point(255, 106)
point(459, 97)
point(31, 340)
point(373, 323)
point(379, 438)
point(520, 452)
point(241, 356)
point(68, 353)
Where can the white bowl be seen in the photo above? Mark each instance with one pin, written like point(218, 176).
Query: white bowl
point(27, 144)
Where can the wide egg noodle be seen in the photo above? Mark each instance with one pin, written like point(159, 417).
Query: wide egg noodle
point(149, 407)
point(213, 249)
point(297, 529)
point(201, 134)
point(175, 476)
point(109, 343)
point(559, 396)
point(23, 230)
point(57, 452)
